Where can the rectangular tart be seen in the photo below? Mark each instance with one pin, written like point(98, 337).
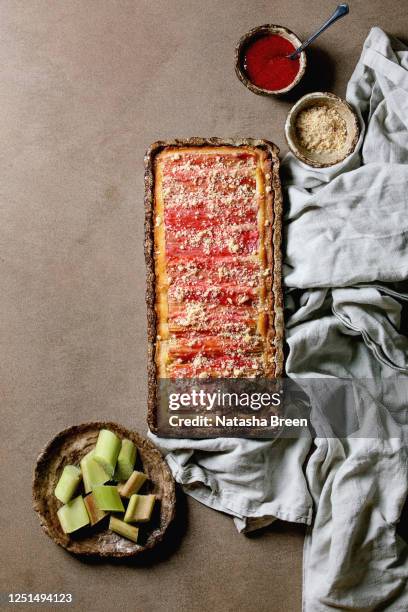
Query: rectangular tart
point(213, 253)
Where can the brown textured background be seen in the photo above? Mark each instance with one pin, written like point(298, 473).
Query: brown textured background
point(86, 86)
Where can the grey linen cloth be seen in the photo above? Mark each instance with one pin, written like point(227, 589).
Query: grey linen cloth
point(345, 274)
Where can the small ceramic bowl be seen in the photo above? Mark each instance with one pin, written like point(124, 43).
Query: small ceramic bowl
point(322, 159)
point(249, 38)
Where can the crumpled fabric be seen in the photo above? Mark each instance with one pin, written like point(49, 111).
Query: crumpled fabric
point(345, 274)
point(347, 253)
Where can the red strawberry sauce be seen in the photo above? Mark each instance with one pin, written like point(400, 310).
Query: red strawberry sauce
point(266, 63)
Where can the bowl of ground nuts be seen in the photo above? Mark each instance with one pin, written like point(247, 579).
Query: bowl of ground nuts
point(322, 129)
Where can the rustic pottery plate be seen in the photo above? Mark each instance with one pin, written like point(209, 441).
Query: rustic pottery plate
point(68, 447)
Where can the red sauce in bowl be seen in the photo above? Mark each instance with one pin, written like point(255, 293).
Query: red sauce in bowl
point(266, 63)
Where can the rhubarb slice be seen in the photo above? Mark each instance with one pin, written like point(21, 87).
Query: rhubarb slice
point(108, 498)
point(107, 450)
point(140, 508)
point(94, 512)
point(131, 486)
point(92, 472)
point(69, 480)
point(73, 515)
point(126, 460)
point(127, 531)
point(130, 510)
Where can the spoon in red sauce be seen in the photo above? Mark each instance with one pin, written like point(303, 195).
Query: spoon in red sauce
point(272, 62)
point(341, 11)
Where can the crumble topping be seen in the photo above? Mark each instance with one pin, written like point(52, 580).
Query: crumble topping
point(214, 269)
point(321, 128)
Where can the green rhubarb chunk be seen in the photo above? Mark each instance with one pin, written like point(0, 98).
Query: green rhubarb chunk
point(131, 486)
point(140, 508)
point(73, 515)
point(107, 498)
point(67, 485)
point(94, 512)
point(92, 472)
point(127, 531)
point(130, 510)
point(126, 460)
point(107, 450)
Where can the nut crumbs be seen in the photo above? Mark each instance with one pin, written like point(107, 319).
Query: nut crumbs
point(321, 128)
